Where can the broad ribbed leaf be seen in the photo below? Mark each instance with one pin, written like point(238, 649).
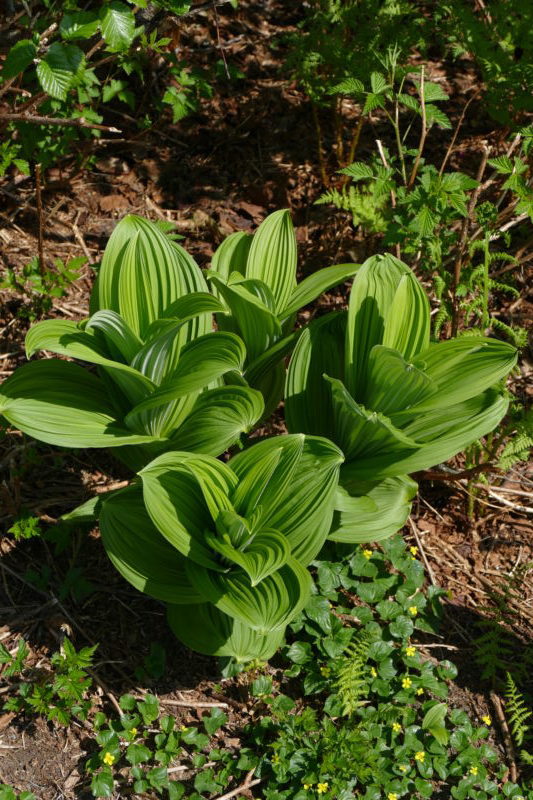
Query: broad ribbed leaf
point(60, 403)
point(462, 368)
point(192, 305)
point(314, 285)
point(393, 384)
point(58, 70)
point(217, 419)
point(183, 495)
point(371, 512)
point(232, 255)
point(140, 553)
point(259, 369)
point(143, 272)
point(256, 324)
point(295, 491)
point(371, 299)
point(120, 339)
point(267, 552)
point(272, 256)
point(207, 630)
point(320, 349)
point(407, 323)
point(268, 606)
point(362, 433)
point(201, 362)
point(118, 25)
point(442, 434)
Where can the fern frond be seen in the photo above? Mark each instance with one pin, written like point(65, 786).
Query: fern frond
point(517, 712)
point(352, 675)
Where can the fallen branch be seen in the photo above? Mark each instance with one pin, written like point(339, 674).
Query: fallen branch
point(497, 705)
point(78, 122)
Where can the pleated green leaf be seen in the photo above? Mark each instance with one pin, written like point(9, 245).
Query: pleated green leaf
point(140, 553)
point(232, 255)
point(184, 494)
point(193, 305)
point(461, 368)
point(266, 553)
point(371, 299)
point(293, 492)
point(362, 433)
point(256, 324)
point(217, 419)
point(308, 401)
point(201, 362)
point(272, 256)
point(120, 339)
point(207, 630)
point(356, 522)
point(142, 273)
point(60, 403)
point(407, 323)
point(394, 384)
point(314, 285)
point(441, 434)
point(268, 606)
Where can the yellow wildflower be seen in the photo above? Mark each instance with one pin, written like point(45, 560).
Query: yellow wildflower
point(325, 671)
point(275, 758)
point(307, 786)
point(486, 719)
point(404, 767)
point(367, 554)
point(473, 770)
point(392, 796)
point(373, 672)
point(183, 727)
point(322, 787)
point(413, 550)
point(420, 690)
point(133, 731)
point(410, 651)
point(420, 756)
point(396, 727)
point(109, 759)
point(407, 683)
point(413, 610)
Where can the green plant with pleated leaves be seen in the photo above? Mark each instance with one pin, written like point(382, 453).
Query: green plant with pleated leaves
point(225, 545)
point(254, 275)
point(371, 380)
point(158, 384)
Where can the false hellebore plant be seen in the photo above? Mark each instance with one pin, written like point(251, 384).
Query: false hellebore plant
point(371, 381)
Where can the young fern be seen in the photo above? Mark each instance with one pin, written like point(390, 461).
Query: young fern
point(517, 711)
point(519, 446)
point(352, 675)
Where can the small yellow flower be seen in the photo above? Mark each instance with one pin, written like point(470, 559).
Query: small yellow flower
point(322, 787)
point(413, 610)
point(183, 727)
point(410, 651)
point(407, 683)
point(420, 690)
point(109, 759)
point(275, 758)
point(473, 770)
point(420, 756)
point(396, 727)
point(373, 672)
point(325, 671)
point(133, 731)
point(486, 719)
point(392, 796)
point(307, 786)
point(413, 550)
point(403, 767)
point(367, 554)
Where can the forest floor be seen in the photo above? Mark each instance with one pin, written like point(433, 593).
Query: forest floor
point(250, 150)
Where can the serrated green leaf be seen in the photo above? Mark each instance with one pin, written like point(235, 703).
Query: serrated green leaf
point(118, 25)
point(58, 70)
point(79, 25)
point(19, 57)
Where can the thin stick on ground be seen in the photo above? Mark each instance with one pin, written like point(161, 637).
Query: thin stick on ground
point(242, 788)
point(192, 704)
point(78, 122)
point(423, 134)
point(456, 132)
point(422, 552)
point(40, 217)
point(497, 705)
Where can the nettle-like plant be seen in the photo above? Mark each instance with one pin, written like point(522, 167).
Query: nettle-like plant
point(160, 364)
point(226, 545)
point(255, 277)
point(370, 380)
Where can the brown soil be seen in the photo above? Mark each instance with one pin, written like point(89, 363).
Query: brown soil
point(250, 150)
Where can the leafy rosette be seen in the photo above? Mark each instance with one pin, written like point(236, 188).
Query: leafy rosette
point(395, 402)
point(160, 367)
point(226, 545)
point(254, 275)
